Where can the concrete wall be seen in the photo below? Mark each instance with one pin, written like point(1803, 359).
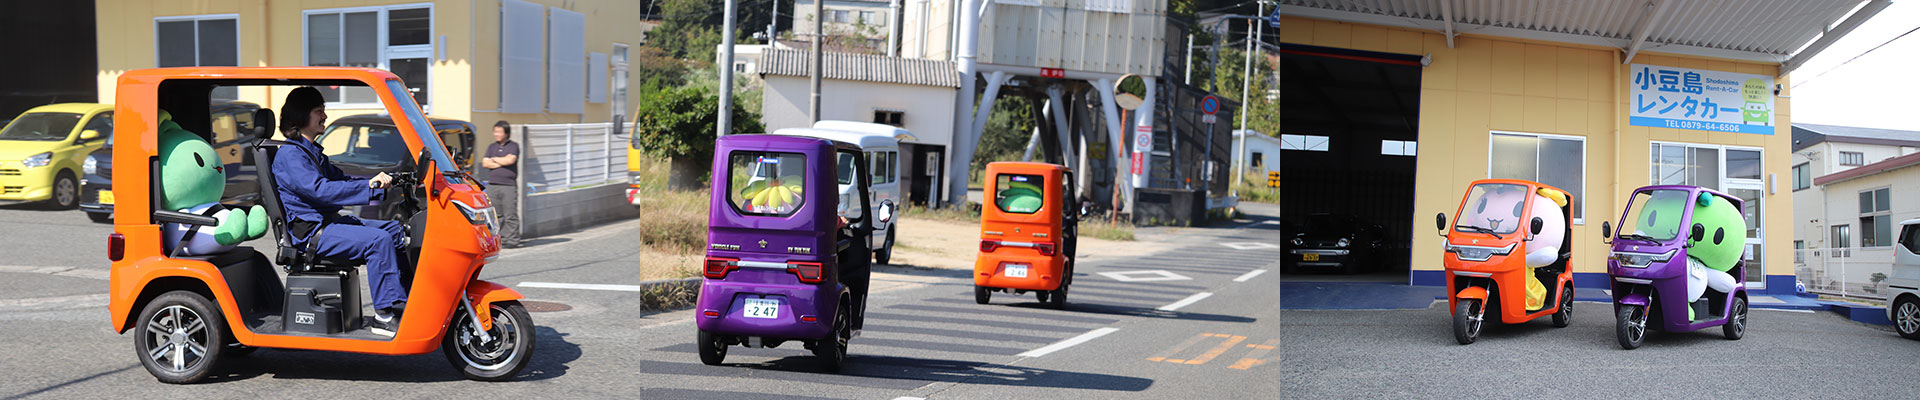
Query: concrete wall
point(561, 212)
point(1492, 83)
point(929, 109)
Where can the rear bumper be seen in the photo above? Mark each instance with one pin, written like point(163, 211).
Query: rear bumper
point(728, 301)
point(1043, 273)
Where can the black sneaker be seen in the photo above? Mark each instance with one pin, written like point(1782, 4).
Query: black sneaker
point(384, 326)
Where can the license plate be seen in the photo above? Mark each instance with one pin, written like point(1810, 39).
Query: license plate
point(1310, 257)
point(106, 197)
point(1016, 270)
point(763, 308)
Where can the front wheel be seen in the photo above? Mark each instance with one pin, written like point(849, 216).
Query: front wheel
point(1630, 326)
point(181, 335)
point(1466, 321)
point(1564, 316)
point(980, 295)
point(66, 191)
point(1736, 326)
point(1906, 318)
point(497, 359)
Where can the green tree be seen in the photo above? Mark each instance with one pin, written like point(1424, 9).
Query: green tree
point(679, 124)
point(1263, 113)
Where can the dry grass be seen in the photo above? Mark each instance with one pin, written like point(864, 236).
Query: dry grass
point(1118, 231)
point(673, 226)
point(969, 214)
point(1253, 188)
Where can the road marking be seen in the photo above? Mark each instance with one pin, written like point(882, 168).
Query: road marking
point(1186, 301)
point(54, 303)
point(1786, 310)
point(909, 398)
point(1249, 275)
point(1250, 245)
point(1157, 275)
point(1176, 349)
point(582, 286)
point(1217, 350)
point(1061, 345)
point(1252, 359)
point(75, 272)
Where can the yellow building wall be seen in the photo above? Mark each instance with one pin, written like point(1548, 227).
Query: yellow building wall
point(1486, 83)
point(465, 84)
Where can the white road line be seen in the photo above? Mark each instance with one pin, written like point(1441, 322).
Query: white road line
point(583, 286)
point(909, 398)
point(1785, 310)
point(1249, 275)
point(1186, 301)
point(1062, 345)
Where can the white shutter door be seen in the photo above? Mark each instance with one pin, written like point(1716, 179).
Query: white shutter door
point(520, 53)
point(566, 59)
point(597, 78)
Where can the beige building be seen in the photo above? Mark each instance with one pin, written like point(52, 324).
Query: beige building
point(1851, 188)
point(910, 93)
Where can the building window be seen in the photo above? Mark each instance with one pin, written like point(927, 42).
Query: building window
point(866, 18)
point(1852, 158)
point(199, 41)
point(1259, 161)
point(1303, 142)
point(1398, 147)
point(397, 39)
point(618, 80)
point(1524, 154)
point(1802, 177)
point(842, 16)
point(1841, 236)
point(1799, 252)
point(889, 117)
point(1876, 222)
point(740, 68)
point(1679, 164)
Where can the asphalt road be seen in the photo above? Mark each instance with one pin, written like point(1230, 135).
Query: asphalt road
point(924, 338)
point(1412, 354)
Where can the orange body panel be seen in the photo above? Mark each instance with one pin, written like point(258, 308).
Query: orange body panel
point(452, 252)
point(1043, 226)
point(1509, 272)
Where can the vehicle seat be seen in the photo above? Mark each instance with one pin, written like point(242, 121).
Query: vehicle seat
point(295, 259)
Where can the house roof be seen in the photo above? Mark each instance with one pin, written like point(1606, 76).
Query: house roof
point(1869, 169)
point(862, 67)
point(1805, 135)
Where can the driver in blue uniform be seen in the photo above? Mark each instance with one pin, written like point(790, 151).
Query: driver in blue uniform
point(313, 190)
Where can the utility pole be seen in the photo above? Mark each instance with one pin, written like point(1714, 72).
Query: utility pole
point(819, 32)
point(726, 74)
point(773, 22)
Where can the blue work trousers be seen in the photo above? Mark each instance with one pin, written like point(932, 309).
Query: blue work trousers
point(375, 241)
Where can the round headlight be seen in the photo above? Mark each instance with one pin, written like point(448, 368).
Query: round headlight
point(1297, 241)
point(91, 166)
point(1342, 243)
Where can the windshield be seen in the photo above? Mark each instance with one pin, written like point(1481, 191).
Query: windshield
point(766, 183)
point(412, 110)
point(1492, 208)
point(367, 146)
point(42, 126)
point(1654, 215)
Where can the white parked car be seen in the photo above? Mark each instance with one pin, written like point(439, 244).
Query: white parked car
point(1904, 309)
point(883, 155)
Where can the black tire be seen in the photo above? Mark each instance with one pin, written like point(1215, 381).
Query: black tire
point(1630, 326)
point(1467, 321)
point(175, 325)
point(832, 350)
point(885, 254)
point(66, 191)
point(100, 218)
point(1042, 295)
point(1736, 326)
point(1564, 316)
point(1058, 299)
point(712, 352)
point(981, 295)
point(1906, 318)
point(499, 360)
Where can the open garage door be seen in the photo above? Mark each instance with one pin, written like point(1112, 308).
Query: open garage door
point(1349, 130)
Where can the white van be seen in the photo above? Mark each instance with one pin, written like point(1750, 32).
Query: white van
point(883, 157)
point(1904, 308)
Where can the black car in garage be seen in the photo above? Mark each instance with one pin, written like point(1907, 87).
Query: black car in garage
point(232, 141)
point(1332, 243)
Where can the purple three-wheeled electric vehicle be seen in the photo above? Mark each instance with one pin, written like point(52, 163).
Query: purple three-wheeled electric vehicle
point(781, 264)
point(1663, 230)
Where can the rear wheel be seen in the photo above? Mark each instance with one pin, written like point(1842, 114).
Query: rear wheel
point(712, 352)
point(1466, 321)
point(497, 359)
point(980, 295)
point(66, 191)
point(1630, 326)
point(1059, 298)
point(1564, 316)
point(885, 254)
point(1736, 326)
point(832, 350)
point(181, 335)
point(1906, 318)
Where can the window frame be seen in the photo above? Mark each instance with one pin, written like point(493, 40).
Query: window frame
point(237, 45)
point(1802, 176)
point(618, 59)
point(1857, 154)
point(1873, 217)
point(1840, 235)
point(384, 51)
point(1306, 144)
point(1579, 212)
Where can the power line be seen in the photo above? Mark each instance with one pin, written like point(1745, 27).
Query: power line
point(1856, 57)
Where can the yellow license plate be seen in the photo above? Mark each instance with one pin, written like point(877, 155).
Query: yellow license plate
point(1310, 257)
point(106, 197)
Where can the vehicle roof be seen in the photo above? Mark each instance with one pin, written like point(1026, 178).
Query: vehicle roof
point(77, 108)
point(742, 141)
point(386, 120)
point(1017, 166)
point(897, 133)
point(863, 140)
point(1910, 222)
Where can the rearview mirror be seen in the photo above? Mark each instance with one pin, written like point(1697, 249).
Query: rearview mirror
point(1606, 229)
point(89, 135)
point(1440, 222)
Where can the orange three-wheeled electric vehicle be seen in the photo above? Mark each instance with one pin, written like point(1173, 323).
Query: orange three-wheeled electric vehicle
point(1503, 235)
point(1027, 232)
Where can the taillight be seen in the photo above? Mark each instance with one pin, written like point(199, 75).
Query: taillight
point(717, 267)
point(116, 246)
point(1046, 249)
point(987, 246)
point(808, 272)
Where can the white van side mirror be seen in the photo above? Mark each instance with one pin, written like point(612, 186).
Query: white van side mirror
point(885, 214)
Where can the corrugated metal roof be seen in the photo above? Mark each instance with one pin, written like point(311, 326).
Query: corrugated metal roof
point(1855, 134)
point(862, 67)
point(1770, 27)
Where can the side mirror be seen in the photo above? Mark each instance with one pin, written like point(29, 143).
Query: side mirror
point(89, 135)
point(1537, 225)
point(1606, 229)
point(885, 214)
point(1440, 222)
point(1697, 232)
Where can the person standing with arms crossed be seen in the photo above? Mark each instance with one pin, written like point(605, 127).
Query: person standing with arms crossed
point(503, 183)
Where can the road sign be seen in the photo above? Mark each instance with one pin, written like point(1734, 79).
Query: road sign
point(1207, 119)
point(1136, 162)
point(1053, 73)
point(1273, 179)
point(1273, 20)
point(1210, 105)
point(1142, 138)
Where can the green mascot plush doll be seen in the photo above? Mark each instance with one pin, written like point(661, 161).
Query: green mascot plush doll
point(192, 180)
point(1717, 240)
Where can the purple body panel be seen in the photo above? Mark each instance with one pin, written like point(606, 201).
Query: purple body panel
point(1669, 279)
point(812, 226)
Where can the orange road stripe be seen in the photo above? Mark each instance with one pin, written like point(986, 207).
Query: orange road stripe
point(1217, 350)
point(1252, 358)
point(1176, 349)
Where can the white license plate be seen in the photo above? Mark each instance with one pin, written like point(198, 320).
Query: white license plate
point(763, 308)
point(1016, 270)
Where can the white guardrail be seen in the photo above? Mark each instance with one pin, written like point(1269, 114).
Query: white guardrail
point(1849, 272)
point(560, 157)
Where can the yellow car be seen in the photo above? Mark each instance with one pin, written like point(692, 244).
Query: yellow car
point(42, 150)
